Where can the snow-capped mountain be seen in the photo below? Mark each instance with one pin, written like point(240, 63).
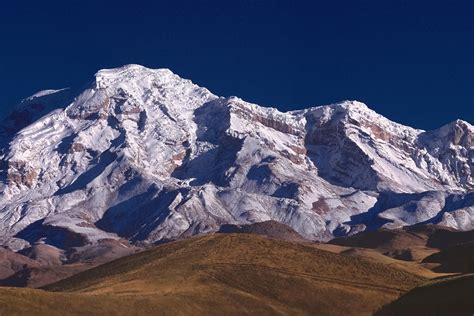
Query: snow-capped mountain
point(145, 155)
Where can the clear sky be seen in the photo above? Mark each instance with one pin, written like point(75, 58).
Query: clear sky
point(411, 61)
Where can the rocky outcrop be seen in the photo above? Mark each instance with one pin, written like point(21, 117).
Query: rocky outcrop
point(20, 173)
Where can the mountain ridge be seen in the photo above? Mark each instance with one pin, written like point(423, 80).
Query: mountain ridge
point(145, 155)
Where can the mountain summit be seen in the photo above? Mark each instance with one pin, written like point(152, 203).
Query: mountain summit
point(144, 155)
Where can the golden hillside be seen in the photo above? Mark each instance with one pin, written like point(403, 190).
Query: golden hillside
point(217, 274)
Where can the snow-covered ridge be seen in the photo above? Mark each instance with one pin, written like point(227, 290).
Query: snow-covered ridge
point(43, 93)
point(145, 155)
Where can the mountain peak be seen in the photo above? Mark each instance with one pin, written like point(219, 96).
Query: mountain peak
point(139, 87)
point(133, 73)
point(458, 126)
point(351, 105)
point(131, 70)
point(463, 124)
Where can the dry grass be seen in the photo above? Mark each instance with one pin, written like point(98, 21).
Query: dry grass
point(221, 274)
point(375, 256)
point(446, 296)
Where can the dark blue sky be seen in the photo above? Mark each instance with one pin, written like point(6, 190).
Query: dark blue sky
point(411, 61)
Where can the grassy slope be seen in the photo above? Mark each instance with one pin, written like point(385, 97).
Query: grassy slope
point(218, 274)
point(445, 296)
point(375, 256)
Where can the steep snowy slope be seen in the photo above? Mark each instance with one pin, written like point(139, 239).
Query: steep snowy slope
point(146, 155)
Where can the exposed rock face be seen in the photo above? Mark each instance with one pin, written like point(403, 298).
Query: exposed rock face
point(20, 173)
point(145, 155)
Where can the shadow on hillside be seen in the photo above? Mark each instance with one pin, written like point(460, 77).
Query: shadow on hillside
point(212, 119)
